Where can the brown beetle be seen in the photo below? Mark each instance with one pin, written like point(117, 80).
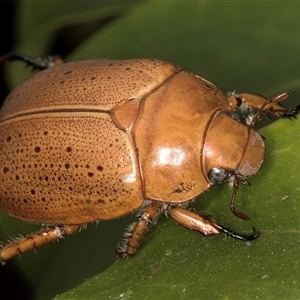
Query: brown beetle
point(95, 140)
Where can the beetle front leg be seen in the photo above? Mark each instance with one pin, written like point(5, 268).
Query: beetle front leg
point(36, 240)
point(270, 106)
point(192, 221)
point(137, 231)
point(204, 225)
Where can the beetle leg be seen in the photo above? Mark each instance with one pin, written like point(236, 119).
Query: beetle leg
point(192, 220)
point(137, 231)
point(292, 113)
point(233, 234)
point(205, 225)
point(36, 63)
point(248, 101)
point(282, 114)
point(36, 240)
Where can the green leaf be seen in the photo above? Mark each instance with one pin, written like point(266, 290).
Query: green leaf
point(39, 23)
point(248, 46)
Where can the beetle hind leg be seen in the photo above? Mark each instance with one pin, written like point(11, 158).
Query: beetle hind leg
point(36, 63)
point(137, 231)
point(35, 240)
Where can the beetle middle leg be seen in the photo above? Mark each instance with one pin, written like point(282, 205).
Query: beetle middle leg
point(36, 240)
point(137, 231)
point(205, 225)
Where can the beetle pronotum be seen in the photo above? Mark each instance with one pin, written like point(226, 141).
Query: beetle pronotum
point(97, 139)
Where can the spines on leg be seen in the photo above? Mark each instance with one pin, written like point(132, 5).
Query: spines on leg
point(136, 232)
point(35, 240)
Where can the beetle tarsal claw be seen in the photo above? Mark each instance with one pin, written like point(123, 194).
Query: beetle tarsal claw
point(292, 114)
point(243, 237)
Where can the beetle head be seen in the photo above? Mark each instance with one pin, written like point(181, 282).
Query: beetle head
point(231, 148)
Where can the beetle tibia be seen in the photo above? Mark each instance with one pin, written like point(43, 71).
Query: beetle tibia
point(137, 231)
point(35, 240)
point(192, 221)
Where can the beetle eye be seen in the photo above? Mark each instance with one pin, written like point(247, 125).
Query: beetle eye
point(218, 175)
point(236, 117)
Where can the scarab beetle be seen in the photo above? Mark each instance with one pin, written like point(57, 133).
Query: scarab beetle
point(97, 139)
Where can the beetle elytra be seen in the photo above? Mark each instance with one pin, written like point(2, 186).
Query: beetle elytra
point(97, 139)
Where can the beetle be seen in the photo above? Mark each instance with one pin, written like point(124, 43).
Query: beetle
point(97, 139)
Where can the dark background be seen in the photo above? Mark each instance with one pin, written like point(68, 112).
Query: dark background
point(7, 37)
point(12, 285)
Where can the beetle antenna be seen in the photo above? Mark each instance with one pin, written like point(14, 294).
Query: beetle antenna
point(238, 214)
